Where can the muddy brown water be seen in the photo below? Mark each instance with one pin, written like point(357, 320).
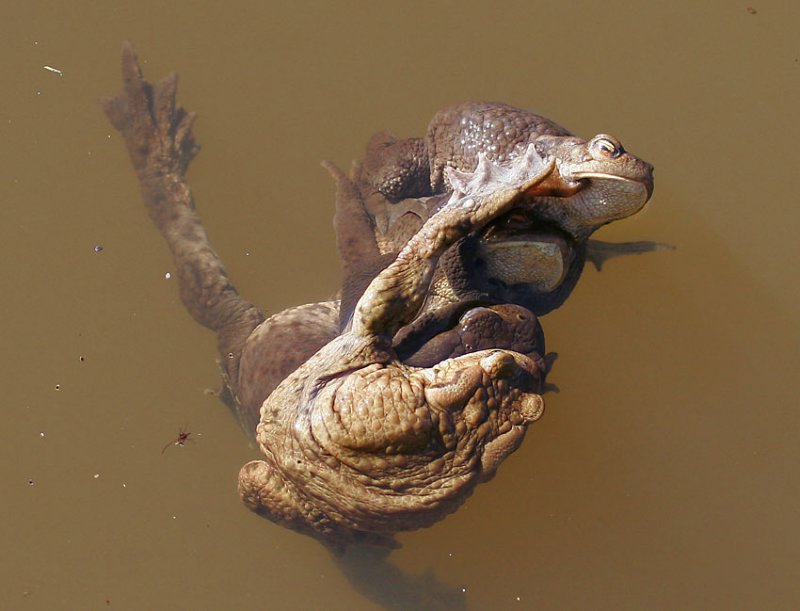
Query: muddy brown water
point(663, 475)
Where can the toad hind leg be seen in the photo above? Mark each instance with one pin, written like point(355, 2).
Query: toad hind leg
point(158, 135)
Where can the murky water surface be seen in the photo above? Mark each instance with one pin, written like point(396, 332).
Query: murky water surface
point(663, 475)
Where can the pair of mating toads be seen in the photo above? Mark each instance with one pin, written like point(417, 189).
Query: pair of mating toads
point(382, 410)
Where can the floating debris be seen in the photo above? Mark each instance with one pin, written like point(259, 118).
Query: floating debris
point(167, 276)
point(180, 440)
point(54, 70)
point(98, 248)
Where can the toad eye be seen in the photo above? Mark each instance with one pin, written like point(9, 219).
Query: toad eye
point(603, 147)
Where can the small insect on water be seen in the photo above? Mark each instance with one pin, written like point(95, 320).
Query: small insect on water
point(180, 440)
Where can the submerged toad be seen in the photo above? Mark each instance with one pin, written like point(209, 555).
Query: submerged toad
point(380, 413)
point(533, 255)
point(607, 182)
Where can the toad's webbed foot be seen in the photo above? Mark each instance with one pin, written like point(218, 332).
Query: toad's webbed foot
point(158, 133)
point(599, 251)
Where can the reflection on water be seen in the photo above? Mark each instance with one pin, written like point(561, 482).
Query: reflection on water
point(661, 475)
point(371, 574)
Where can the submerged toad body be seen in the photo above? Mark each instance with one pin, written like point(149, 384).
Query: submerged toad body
point(381, 413)
point(535, 253)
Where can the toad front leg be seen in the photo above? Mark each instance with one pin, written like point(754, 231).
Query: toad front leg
point(357, 444)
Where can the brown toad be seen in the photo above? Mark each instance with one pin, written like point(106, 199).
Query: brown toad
point(532, 256)
point(382, 415)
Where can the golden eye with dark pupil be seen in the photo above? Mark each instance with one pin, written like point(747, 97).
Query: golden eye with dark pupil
point(602, 147)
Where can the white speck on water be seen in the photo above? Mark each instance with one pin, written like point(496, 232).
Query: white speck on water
point(41, 434)
point(167, 275)
point(53, 70)
point(96, 476)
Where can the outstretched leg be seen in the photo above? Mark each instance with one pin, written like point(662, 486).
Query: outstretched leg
point(158, 134)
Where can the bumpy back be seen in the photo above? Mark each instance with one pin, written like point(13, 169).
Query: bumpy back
point(457, 134)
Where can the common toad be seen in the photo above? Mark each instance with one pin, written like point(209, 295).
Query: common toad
point(383, 415)
point(535, 254)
